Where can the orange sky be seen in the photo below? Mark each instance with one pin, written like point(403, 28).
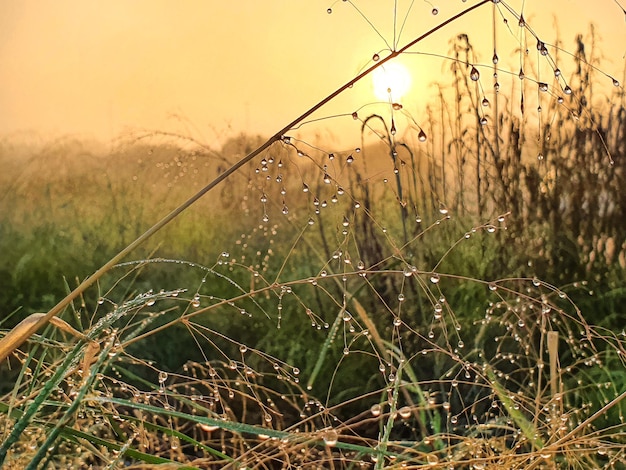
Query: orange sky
point(100, 68)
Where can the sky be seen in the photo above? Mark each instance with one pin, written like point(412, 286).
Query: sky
point(217, 68)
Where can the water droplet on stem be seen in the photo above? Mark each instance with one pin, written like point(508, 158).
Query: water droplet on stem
point(474, 74)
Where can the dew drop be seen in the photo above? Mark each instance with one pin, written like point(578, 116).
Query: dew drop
point(495, 59)
point(432, 459)
point(438, 310)
point(329, 11)
point(285, 210)
point(483, 121)
point(485, 102)
point(543, 87)
point(401, 298)
point(330, 437)
point(162, 377)
point(375, 57)
point(435, 11)
point(421, 136)
point(615, 82)
point(474, 74)
point(326, 178)
point(376, 409)
point(567, 90)
point(404, 412)
point(434, 278)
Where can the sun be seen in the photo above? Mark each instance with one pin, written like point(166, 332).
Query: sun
point(391, 81)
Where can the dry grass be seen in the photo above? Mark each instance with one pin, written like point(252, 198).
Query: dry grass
point(353, 316)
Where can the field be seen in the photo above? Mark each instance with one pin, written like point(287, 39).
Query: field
point(448, 294)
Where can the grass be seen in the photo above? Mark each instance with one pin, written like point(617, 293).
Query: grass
point(447, 303)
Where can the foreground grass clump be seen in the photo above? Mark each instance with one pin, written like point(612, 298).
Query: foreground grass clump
point(531, 380)
point(369, 307)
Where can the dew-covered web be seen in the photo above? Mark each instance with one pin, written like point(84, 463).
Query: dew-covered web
point(379, 304)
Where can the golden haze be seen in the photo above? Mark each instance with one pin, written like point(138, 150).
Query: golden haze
point(101, 68)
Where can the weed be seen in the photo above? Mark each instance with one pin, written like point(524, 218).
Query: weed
point(359, 317)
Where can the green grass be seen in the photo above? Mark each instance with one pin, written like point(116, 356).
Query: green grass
point(392, 310)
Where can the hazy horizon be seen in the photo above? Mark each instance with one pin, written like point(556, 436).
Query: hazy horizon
point(217, 69)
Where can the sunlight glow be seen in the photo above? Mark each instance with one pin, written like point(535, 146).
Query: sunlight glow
point(391, 81)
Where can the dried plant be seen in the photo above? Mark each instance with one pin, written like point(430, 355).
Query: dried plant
point(357, 315)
